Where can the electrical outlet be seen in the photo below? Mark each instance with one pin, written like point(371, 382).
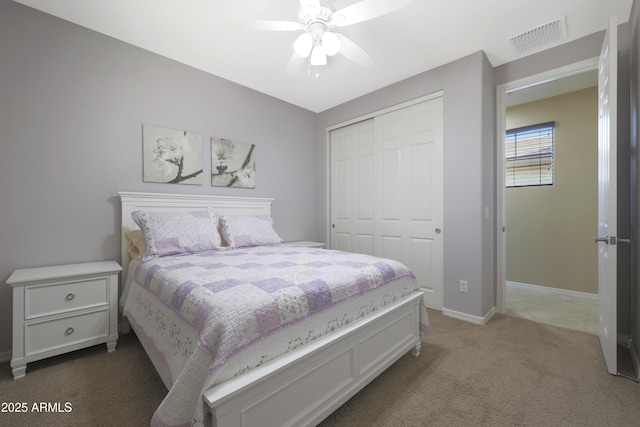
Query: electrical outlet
point(464, 286)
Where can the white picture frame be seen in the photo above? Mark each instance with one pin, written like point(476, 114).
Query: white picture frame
point(232, 163)
point(171, 156)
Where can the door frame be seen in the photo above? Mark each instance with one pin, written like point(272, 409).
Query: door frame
point(367, 116)
point(501, 116)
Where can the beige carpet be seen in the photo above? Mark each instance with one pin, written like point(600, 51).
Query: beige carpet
point(540, 305)
point(511, 372)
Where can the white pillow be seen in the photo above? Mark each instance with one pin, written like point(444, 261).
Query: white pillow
point(174, 233)
point(241, 231)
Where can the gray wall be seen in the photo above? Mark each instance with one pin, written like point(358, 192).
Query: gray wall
point(469, 171)
point(72, 105)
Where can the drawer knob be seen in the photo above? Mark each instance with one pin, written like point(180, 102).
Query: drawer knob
point(70, 297)
point(69, 331)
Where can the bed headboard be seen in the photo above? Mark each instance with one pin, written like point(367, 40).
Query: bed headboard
point(132, 201)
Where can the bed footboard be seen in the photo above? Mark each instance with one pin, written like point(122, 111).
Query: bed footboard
point(303, 387)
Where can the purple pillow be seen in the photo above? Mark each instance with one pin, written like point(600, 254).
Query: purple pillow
point(174, 233)
point(241, 231)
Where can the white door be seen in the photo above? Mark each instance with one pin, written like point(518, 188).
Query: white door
point(398, 213)
point(607, 196)
point(352, 189)
point(409, 183)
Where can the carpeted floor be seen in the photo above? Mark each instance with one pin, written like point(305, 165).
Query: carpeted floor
point(104, 389)
point(511, 372)
point(542, 305)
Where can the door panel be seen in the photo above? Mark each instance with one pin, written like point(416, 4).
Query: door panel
point(421, 158)
point(342, 242)
point(352, 191)
point(607, 196)
point(421, 258)
point(343, 205)
point(390, 184)
point(365, 188)
point(365, 244)
point(409, 154)
point(390, 247)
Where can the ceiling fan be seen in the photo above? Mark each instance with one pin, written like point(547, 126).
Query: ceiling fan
point(319, 24)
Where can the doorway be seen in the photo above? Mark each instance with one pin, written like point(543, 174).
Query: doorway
point(552, 202)
point(533, 86)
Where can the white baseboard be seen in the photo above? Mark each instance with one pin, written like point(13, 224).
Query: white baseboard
point(470, 318)
point(551, 290)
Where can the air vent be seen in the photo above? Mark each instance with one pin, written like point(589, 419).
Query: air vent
point(540, 37)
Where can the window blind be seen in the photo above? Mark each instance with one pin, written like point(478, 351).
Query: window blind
point(529, 155)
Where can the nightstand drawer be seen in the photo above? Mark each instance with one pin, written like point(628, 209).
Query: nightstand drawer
point(62, 297)
point(53, 334)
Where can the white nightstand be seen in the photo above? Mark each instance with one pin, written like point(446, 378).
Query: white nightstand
point(306, 244)
point(63, 308)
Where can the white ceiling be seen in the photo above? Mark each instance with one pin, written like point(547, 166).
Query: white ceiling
point(423, 36)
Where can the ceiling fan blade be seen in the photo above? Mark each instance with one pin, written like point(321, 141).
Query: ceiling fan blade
point(353, 52)
point(266, 25)
point(365, 10)
point(294, 64)
point(315, 3)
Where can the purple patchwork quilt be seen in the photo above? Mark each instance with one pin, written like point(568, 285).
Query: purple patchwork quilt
point(234, 298)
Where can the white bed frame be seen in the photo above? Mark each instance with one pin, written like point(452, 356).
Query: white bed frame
point(304, 386)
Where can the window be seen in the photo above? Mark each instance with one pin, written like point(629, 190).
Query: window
point(529, 155)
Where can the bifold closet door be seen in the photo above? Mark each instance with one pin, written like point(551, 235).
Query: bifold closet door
point(387, 191)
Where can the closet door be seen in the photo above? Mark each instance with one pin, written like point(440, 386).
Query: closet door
point(387, 191)
point(352, 192)
point(409, 193)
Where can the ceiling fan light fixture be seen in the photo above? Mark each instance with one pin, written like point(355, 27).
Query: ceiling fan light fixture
point(318, 56)
point(303, 45)
point(318, 21)
point(330, 43)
